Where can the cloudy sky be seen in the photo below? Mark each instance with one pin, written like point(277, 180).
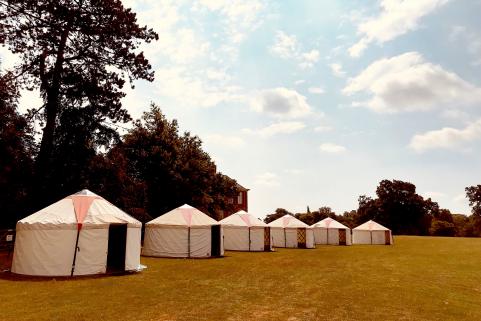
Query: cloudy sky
point(314, 102)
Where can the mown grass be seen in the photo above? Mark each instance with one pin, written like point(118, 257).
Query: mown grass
point(419, 278)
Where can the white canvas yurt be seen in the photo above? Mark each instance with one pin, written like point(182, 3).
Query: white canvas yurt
point(371, 233)
point(329, 231)
point(288, 231)
point(183, 232)
point(245, 232)
point(81, 234)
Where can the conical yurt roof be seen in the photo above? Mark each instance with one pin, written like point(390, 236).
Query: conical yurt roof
point(329, 223)
point(80, 209)
point(287, 221)
point(242, 218)
point(371, 226)
point(185, 215)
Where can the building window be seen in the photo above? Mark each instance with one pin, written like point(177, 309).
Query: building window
point(239, 198)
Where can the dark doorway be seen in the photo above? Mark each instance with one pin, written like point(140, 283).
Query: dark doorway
point(342, 237)
point(267, 238)
point(301, 238)
point(387, 237)
point(117, 245)
point(215, 240)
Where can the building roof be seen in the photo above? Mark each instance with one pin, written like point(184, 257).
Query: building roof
point(241, 188)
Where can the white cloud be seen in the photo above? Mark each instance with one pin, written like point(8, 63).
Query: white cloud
point(287, 127)
point(323, 128)
point(180, 45)
point(224, 141)
point(267, 179)
point(332, 148)
point(396, 18)
point(408, 83)
point(287, 47)
point(192, 90)
point(281, 102)
point(241, 16)
point(309, 59)
point(446, 138)
point(337, 71)
point(316, 90)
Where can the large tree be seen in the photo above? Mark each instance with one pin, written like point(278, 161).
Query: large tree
point(16, 148)
point(399, 207)
point(174, 168)
point(473, 193)
point(79, 53)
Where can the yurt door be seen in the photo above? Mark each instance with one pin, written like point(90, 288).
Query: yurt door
point(117, 245)
point(301, 238)
point(267, 238)
point(342, 237)
point(387, 237)
point(215, 240)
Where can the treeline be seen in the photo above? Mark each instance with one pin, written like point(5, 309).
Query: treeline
point(150, 170)
point(398, 207)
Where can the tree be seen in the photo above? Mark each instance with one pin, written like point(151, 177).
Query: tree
point(79, 53)
point(280, 212)
point(442, 228)
point(174, 168)
point(399, 207)
point(473, 193)
point(16, 149)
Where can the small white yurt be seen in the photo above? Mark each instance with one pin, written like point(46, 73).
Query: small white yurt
point(81, 234)
point(371, 233)
point(330, 231)
point(288, 231)
point(245, 232)
point(183, 232)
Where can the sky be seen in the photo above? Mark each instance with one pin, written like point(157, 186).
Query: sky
point(313, 103)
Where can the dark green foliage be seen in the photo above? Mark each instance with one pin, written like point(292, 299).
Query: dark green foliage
point(16, 149)
point(313, 217)
point(280, 212)
point(173, 168)
point(442, 228)
point(398, 207)
point(473, 193)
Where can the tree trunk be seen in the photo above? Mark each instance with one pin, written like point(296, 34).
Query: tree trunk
point(51, 110)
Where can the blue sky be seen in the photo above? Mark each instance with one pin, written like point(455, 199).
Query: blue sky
point(314, 102)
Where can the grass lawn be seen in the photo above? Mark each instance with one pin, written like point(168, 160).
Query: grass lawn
point(418, 278)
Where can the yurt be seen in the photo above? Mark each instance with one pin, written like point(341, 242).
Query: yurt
point(183, 232)
point(81, 234)
point(330, 231)
point(371, 233)
point(288, 231)
point(245, 232)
